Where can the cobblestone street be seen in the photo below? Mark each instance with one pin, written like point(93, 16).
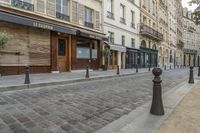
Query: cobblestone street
point(80, 107)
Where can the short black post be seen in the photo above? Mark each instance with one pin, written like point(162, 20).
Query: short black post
point(170, 66)
point(27, 78)
point(157, 104)
point(165, 67)
point(137, 68)
point(87, 72)
point(199, 72)
point(118, 70)
point(191, 78)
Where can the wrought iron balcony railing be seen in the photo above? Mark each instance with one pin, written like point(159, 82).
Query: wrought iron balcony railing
point(22, 5)
point(122, 20)
point(148, 31)
point(62, 16)
point(89, 24)
point(110, 15)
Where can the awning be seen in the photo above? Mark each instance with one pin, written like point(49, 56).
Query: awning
point(116, 47)
point(90, 34)
point(35, 23)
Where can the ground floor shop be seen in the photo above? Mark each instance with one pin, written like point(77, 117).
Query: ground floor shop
point(132, 57)
point(148, 57)
point(46, 47)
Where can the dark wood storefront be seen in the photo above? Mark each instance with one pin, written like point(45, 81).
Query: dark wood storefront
point(132, 57)
point(85, 51)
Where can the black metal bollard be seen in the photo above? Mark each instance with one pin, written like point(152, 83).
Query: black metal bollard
point(157, 104)
point(165, 67)
point(118, 70)
point(170, 66)
point(27, 78)
point(87, 72)
point(199, 72)
point(191, 78)
point(137, 68)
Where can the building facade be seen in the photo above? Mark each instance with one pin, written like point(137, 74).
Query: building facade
point(164, 50)
point(191, 39)
point(51, 35)
point(180, 44)
point(120, 25)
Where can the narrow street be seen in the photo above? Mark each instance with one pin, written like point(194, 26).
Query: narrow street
point(80, 107)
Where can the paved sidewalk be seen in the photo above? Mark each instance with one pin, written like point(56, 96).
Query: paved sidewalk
point(38, 80)
point(186, 116)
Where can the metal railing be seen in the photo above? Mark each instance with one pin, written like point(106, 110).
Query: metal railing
point(62, 16)
point(144, 29)
point(22, 5)
point(122, 20)
point(110, 15)
point(89, 24)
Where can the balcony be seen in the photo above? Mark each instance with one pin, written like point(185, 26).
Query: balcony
point(89, 24)
point(190, 51)
point(122, 20)
point(133, 25)
point(180, 44)
point(62, 16)
point(22, 5)
point(150, 32)
point(110, 15)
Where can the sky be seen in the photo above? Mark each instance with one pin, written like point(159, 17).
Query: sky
point(185, 4)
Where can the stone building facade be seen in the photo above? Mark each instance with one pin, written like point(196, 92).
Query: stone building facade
point(150, 37)
point(120, 25)
point(51, 35)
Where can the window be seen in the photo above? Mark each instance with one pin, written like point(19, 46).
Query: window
point(62, 6)
point(111, 37)
point(123, 40)
point(122, 14)
point(88, 15)
point(110, 9)
point(133, 19)
point(61, 47)
point(27, 1)
point(133, 42)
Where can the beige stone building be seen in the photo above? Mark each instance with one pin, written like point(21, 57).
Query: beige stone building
point(180, 44)
point(163, 28)
point(150, 37)
point(51, 35)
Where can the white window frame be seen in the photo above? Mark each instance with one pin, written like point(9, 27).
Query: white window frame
point(61, 11)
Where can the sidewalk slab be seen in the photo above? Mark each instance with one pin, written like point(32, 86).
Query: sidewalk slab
point(185, 118)
point(141, 121)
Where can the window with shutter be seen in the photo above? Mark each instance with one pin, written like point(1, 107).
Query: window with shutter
point(75, 12)
point(81, 11)
point(40, 6)
point(97, 20)
point(51, 8)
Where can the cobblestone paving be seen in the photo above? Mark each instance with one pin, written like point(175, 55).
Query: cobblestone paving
point(78, 108)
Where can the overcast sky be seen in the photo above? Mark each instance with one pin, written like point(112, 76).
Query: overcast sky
point(185, 4)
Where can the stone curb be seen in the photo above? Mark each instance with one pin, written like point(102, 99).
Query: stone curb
point(63, 82)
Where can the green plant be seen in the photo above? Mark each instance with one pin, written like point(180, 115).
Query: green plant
point(3, 38)
point(106, 51)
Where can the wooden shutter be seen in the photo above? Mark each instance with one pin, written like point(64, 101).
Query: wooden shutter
point(81, 14)
point(51, 8)
point(40, 6)
point(75, 12)
point(96, 20)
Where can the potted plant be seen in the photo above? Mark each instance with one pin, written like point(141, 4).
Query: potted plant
point(106, 53)
point(3, 39)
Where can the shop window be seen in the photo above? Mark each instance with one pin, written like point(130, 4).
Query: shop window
point(94, 49)
point(61, 47)
point(83, 53)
